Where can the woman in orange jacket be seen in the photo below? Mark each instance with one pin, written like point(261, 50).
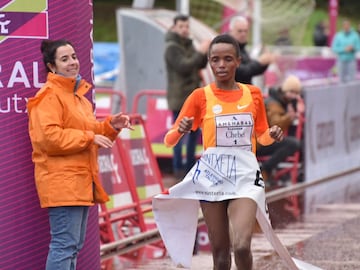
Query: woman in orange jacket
point(65, 138)
point(227, 178)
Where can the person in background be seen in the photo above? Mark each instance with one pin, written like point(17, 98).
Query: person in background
point(283, 107)
point(232, 117)
point(248, 68)
point(321, 34)
point(183, 65)
point(65, 138)
point(284, 38)
point(345, 45)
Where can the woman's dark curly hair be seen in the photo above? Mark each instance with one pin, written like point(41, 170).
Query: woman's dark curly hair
point(48, 49)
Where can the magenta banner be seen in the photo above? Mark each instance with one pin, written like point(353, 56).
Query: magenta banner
point(24, 231)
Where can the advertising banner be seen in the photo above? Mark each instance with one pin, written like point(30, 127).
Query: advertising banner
point(24, 229)
point(142, 163)
point(332, 142)
point(114, 178)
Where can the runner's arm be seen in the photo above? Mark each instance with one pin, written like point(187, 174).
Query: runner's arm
point(191, 108)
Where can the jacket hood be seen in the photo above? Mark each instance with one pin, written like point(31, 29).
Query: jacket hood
point(274, 92)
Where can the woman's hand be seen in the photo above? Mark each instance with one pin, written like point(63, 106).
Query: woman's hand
point(103, 141)
point(120, 121)
point(276, 133)
point(185, 124)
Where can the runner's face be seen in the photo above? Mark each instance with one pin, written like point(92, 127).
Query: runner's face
point(223, 61)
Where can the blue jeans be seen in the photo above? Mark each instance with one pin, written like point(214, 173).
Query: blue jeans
point(347, 70)
point(191, 141)
point(67, 229)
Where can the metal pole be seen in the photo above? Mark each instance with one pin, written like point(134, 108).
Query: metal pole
point(183, 6)
point(143, 3)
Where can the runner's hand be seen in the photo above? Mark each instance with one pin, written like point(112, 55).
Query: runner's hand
point(185, 125)
point(276, 133)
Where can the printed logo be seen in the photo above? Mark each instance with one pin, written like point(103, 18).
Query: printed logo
point(24, 19)
point(217, 109)
point(242, 107)
point(243, 120)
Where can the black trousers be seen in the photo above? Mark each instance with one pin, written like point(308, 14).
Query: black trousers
point(278, 152)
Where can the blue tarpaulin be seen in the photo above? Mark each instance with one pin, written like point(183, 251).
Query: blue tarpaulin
point(106, 62)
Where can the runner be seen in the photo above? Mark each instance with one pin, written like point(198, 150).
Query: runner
point(227, 179)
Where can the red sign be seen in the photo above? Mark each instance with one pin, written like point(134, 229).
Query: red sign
point(142, 164)
point(112, 171)
point(333, 13)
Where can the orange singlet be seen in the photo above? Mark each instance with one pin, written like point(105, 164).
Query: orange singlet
point(231, 122)
point(229, 118)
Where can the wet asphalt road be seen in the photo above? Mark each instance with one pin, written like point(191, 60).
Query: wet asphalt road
point(329, 238)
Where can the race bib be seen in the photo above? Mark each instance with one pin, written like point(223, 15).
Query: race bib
point(234, 130)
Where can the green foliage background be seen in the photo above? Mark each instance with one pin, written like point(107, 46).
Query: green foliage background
point(105, 21)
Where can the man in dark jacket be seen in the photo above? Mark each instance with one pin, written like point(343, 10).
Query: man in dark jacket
point(239, 29)
point(183, 65)
point(320, 35)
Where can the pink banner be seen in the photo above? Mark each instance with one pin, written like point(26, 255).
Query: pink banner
point(227, 14)
point(24, 230)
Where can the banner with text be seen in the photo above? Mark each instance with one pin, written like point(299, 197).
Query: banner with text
point(24, 230)
point(332, 142)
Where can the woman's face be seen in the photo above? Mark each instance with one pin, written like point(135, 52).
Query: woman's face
point(66, 62)
point(223, 61)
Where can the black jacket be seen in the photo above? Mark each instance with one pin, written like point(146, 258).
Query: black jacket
point(248, 67)
point(319, 36)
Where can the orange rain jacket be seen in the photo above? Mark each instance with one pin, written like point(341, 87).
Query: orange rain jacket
point(62, 126)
